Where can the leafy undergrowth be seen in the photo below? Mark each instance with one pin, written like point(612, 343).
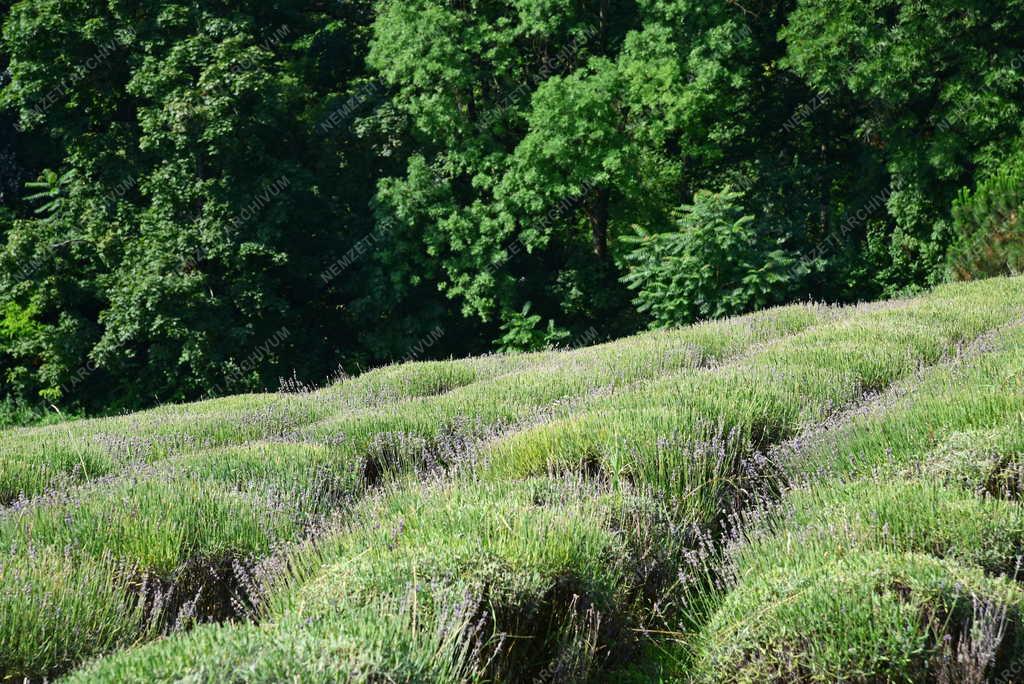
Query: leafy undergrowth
point(805, 494)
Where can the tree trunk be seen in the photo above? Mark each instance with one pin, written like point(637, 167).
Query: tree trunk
point(824, 194)
point(598, 217)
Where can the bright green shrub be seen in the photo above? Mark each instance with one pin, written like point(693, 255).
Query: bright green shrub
point(989, 226)
point(444, 583)
point(866, 617)
point(714, 263)
point(58, 607)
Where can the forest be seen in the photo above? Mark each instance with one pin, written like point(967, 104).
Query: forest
point(209, 197)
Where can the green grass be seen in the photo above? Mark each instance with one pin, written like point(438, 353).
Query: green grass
point(987, 461)
point(916, 493)
point(913, 515)
point(526, 564)
point(686, 434)
point(983, 396)
point(57, 608)
point(673, 506)
point(154, 523)
point(427, 398)
point(862, 617)
point(60, 456)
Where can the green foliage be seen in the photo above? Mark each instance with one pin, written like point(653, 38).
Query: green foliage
point(358, 174)
point(934, 87)
point(714, 263)
point(988, 225)
point(50, 190)
point(17, 323)
point(521, 332)
point(206, 186)
point(21, 333)
point(14, 413)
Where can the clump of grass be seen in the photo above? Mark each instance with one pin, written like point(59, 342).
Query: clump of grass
point(59, 456)
point(875, 616)
point(830, 520)
point(164, 547)
point(988, 461)
point(58, 607)
point(531, 577)
point(308, 479)
point(155, 523)
point(420, 379)
point(530, 550)
point(384, 642)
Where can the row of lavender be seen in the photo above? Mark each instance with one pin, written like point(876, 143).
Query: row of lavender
point(502, 518)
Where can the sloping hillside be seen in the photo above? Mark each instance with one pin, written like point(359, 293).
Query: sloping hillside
point(805, 494)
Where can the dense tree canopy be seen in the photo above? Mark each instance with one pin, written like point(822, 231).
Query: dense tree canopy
point(183, 183)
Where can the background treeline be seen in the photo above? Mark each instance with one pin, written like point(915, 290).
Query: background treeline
point(207, 196)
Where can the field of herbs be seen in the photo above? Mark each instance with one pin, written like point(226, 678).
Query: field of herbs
point(809, 493)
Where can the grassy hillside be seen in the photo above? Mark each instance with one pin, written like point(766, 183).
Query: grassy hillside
point(805, 494)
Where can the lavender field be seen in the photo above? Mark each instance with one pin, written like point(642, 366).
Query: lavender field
point(805, 494)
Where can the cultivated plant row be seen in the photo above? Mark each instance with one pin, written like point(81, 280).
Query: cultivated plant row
point(694, 504)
